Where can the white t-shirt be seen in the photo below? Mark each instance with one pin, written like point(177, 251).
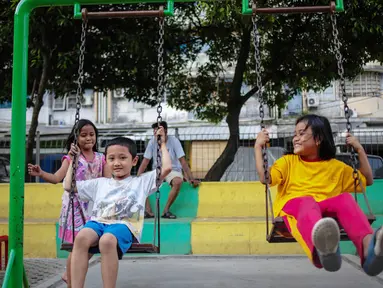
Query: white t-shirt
point(120, 201)
point(175, 151)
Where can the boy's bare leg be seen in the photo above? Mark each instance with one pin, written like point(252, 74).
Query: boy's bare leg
point(80, 257)
point(109, 260)
point(66, 275)
point(67, 272)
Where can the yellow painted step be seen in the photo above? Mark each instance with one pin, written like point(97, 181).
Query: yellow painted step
point(39, 237)
point(232, 199)
point(235, 236)
point(42, 201)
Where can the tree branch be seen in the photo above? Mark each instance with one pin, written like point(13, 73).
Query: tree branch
point(267, 77)
point(235, 88)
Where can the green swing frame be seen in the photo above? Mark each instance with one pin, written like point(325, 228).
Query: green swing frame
point(15, 269)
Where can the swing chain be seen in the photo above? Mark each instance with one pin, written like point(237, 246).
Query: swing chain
point(77, 118)
point(342, 90)
point(257, 58)
point(79, 98)
point(160, 93)
point(80, 79)
point(160, 90)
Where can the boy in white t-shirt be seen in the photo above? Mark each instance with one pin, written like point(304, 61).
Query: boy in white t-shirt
point(118, 212)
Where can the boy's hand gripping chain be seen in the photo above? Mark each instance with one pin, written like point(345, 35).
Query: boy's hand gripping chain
point(76, 132)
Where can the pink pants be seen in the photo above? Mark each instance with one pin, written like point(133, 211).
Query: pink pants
point(301, 214)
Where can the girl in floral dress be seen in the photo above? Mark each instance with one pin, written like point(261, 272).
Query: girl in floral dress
point(90, 165)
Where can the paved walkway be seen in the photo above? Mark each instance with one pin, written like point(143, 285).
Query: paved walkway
point(40, 270)
point(229, 272)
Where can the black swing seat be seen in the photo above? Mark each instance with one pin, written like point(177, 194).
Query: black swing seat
point(280, 234)
point(135, 248)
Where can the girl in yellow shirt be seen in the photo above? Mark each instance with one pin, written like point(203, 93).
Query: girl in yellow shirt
point(311, 190)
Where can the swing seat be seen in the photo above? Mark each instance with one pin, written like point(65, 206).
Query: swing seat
point(280, 234)
point(135, 248)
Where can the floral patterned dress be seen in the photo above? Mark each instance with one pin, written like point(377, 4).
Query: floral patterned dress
point(86, 170)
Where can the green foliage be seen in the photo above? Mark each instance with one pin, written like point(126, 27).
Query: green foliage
point(296, 51)
point(119, 52)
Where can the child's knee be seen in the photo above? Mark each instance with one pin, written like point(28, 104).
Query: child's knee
point(85, 238)
point(345, 197)
point(108, 242)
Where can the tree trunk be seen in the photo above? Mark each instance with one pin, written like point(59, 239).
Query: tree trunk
point(234, 105)
point(37, 107)
point(227, 157)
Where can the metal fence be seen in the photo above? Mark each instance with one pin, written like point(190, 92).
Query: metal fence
point(201, 152)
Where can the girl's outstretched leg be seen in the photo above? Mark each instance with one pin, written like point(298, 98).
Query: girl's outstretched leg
point(300, 215)
point(358, 229)
point(326, 238)
point(373, 253)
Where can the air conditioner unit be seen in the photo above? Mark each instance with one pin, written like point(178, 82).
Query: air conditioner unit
point(312, 101)
point(88, 100)
point(119, 93)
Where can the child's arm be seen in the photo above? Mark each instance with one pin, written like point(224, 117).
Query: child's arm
point(35, 170)
point(68, 179)
point(365, 167)
point(262, 139)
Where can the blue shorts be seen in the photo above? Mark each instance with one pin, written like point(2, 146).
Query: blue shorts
point(122, 233)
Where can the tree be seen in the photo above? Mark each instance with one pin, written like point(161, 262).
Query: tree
point(121, 53)
point(296, 53)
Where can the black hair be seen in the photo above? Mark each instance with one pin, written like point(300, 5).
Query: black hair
point(162, 123)
point(81, 123)
point(123, 141)
point(322, 132)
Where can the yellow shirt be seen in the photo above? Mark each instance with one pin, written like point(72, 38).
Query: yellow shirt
point(319, 179)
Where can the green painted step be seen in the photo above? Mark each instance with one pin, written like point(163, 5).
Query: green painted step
point(186, 204)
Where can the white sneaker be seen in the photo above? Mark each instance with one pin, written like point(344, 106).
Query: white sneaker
point(326, 237)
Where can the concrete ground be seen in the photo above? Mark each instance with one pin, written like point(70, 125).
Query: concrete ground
point(228, 271)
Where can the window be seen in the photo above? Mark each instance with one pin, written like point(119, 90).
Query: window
point(71, 102)
point(59, 104)
point(364, 85)
point(4, 170)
